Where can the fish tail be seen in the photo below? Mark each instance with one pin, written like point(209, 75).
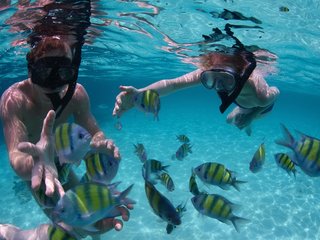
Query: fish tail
point(288, 141)
point(236, 221)
point(123, 196)
point(236, 183)
point(164, 168)
point(294, 173)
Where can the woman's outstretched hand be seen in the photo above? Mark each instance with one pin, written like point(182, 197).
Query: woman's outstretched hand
point(124, 100)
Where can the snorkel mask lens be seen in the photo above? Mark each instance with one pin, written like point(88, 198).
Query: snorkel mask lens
point(219, 79)
point(52, 72)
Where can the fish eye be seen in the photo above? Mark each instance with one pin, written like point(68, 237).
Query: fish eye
point(81, 135)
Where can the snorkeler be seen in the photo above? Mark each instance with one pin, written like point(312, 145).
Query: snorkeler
point(26, 106)
point(232, 73)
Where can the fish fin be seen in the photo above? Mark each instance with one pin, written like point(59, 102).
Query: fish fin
point(236, 183)
point(170, 228)
point(124, 194)
point(236, 221)
point(288, 140)
point(164, 168)
point(173, 157)
point(303, 135)
point(90, 228)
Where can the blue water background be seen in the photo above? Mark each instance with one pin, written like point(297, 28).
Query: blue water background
point(278, 206)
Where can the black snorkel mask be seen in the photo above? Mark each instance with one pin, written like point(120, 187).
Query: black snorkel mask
point(228, 93)
point(53, 73)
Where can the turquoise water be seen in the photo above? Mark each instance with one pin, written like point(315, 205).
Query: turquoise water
point(152, 46)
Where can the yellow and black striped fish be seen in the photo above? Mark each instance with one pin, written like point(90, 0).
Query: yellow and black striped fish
point(72, 142)
point(162, 207)
point(151, 168)
point(148, 101)
point(100, 167)
point(57, 233)
point(258, 159)
point(141, 152)
point(193, 186)
point(306, 151)
point(183, 138)
point(216, 206)
point(284, 161)
point(216, 174)
point(87, 203)
point(183, 151)
point(167, 181)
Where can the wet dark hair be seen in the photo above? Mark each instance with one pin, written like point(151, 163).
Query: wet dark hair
point(45, 45)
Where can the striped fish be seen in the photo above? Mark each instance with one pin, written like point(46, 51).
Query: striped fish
point(258, 159)
point(141, 152)
point(148, 101)
point(57, 233)
point(151, 168)
point(306, 152)
point(167, 181)
point(183, 151)
point(72, 142)
point(87, 203)
point(216, 174)
point(216, 206)
point(284, 161)
point(183, 138)
point(193, 187)
point(162, 207)
point(100, 168)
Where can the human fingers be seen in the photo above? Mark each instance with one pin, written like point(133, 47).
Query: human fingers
point(126, 88)
point(117, 224)
point(117, 110)
point(125, 214)
point(36, 175)
point(49, 182)
point(29, 148)
point(59, 187)
point(48, 124)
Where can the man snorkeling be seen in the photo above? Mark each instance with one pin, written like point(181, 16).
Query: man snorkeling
point(25, 106)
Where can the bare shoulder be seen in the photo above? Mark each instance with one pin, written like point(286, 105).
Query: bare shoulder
point(80, 93)
point(13, 99)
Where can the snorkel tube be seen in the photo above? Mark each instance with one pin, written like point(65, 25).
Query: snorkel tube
point(228, 99)
point(60, 103)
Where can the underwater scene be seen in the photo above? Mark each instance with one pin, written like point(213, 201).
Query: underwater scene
point(186, 170)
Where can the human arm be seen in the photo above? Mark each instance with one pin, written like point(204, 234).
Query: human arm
point(125, 99)
point(85, 118)
point(32, 162)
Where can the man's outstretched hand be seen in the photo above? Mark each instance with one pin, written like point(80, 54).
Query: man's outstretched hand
point(43, 154)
